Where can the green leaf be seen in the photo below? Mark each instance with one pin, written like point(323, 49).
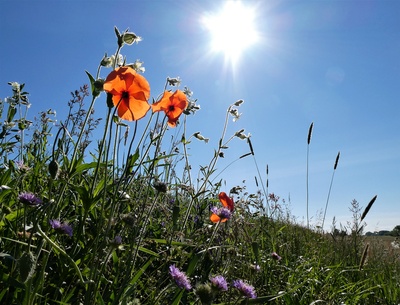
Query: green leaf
point(145, 250)
point(87, 166)
point(131, 161)
point(95, 90)
point(11, 113)
point(11, 216)
point(255, 247)
point(175, 216)
point(85, 196)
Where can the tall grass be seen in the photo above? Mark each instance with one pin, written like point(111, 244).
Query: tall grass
point(125, 219)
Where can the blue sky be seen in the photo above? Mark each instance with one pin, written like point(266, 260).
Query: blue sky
point(334, 63)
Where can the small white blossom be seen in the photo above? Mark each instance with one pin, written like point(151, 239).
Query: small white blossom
point(174, 81)
point(241, 135)
point(138, 66)
point(16, 86)
point(4, 187)
point(235, 113)
point(187, 91)
point(108, 61)
point(200, 137)
point(124, 195)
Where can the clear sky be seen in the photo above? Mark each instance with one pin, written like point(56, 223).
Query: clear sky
point(334, 63)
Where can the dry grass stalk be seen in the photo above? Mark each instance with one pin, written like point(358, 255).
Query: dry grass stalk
point(337, 160)
point(364, 256)
point(368, 207)
point(310, 133)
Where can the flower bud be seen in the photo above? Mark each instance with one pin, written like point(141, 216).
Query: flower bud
point(106, 61)
point(98, 84)
point(204, 292)
point(130, 37)
point(53, 169)
point(160, 186)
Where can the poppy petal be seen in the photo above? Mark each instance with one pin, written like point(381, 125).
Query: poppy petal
point(138, 107)
point(130, 92)
point(124, 112)
point(215, 218)
point(226, 201)
point(162, 104)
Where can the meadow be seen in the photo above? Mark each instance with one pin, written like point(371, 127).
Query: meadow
point(125, 219)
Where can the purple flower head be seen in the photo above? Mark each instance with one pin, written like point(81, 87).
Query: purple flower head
point(61, 227)
point(214, 209)
point(180, 278)
point(117, 240)
point(225, 213)
point(29, 199)
point(219, 282)
point(247, 290)
point(222, 213)
point(275, 256)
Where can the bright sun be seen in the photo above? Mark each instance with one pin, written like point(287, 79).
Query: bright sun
point(232, 29)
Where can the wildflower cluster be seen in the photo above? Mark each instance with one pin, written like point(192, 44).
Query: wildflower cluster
point(124, 215)
point(180, 278)
point(222, 214)
point(61, 227)
point(246, 289)
point(130, 93)
point(29, 199)
point(219, 283)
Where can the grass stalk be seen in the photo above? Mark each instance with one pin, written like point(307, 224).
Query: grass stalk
point(330, 188)
point(308, 152)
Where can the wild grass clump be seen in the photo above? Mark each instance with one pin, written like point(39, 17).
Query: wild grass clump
point(123, 219)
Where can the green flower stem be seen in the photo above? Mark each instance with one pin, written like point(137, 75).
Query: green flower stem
point(210, 241)
point(185, 152)
point(208, 245)
point(143, 229)
point(81, 134)
point(210, 167)
point(102, 143)
point(131, 263)
point(69, 258)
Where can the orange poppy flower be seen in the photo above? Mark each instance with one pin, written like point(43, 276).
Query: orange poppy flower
point(172, 104)
point(227, 202)
point(130, 92)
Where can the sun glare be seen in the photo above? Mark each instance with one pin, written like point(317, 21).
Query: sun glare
point(232, 29)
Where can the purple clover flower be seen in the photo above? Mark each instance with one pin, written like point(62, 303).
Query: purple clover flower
point(247, 290)
point(219, 282)
point(179, 277)
point(61, 227)
point(29, 199)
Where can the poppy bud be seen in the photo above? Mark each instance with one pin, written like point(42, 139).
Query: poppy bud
point(128, 219)
point(98, 84)
point(160, 186)
point(53, 169)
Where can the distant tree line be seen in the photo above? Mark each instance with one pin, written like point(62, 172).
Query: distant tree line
point(394, 232)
